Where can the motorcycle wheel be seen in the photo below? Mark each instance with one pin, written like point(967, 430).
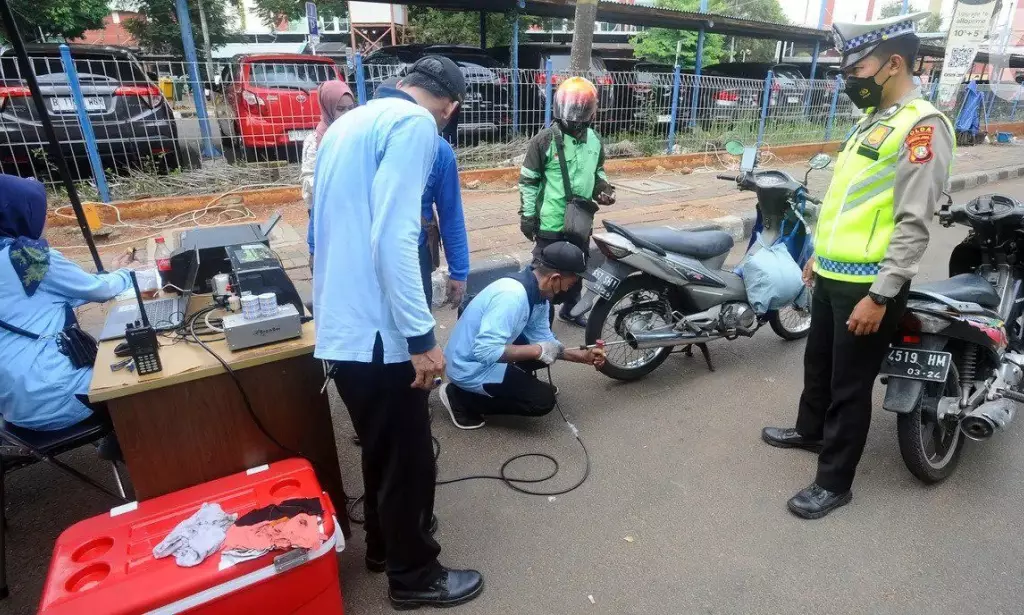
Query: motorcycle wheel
point(791, 323)
point(930, 449)
point(639, 301)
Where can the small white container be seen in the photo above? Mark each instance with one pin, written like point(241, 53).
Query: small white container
point(268, 304)
point(250, 307)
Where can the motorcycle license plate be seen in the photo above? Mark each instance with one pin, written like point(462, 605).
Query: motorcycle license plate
point(929, 365)
point(604, 283)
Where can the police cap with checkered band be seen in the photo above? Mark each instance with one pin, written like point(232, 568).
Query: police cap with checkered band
point(857, 41)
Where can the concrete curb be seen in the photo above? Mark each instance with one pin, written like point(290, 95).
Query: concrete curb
point(980, 178)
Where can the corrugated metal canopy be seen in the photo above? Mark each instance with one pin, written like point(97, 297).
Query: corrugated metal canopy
point(650, 17)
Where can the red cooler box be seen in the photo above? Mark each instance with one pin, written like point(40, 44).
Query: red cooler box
point(105, 565)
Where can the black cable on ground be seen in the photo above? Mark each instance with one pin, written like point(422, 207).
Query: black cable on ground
point(511, 483)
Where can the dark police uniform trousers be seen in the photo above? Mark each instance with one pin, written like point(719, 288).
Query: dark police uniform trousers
point(839, 374)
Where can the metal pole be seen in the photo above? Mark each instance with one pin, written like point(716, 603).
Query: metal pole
point(676, 83)
point(935, 90)
point(88, 135)
point(832, 109)
point(52, 144)
point(906, 7)
point(198, 92)
point(483, 30)
point(765, 95)
point(548, 92)
point(814, 69)
point(515, 68)
point(360, 79)
point(695, 99)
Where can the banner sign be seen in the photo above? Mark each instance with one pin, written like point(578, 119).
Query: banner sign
point(971, 25)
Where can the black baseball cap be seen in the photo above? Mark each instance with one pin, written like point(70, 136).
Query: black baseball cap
point(445, 73)
point(564, 257)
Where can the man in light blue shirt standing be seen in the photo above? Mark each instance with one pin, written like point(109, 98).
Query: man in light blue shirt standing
point(373, 322)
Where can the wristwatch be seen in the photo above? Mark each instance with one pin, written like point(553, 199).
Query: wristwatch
point(878, 299)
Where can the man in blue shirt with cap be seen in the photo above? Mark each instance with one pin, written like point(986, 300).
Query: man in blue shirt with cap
point(504, 337)
point(374, 325)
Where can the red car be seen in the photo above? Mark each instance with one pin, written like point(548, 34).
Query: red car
point(267, 103)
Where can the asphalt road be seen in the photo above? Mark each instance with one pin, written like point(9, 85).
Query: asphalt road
point(679, 470)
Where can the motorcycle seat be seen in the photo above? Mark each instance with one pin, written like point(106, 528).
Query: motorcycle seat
point(967, 287)
point(701, 245)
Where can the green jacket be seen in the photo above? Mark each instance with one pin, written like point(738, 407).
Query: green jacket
point(541, 188)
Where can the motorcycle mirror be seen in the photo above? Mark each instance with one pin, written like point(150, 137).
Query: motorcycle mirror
point(820, 161)
point(734, 148)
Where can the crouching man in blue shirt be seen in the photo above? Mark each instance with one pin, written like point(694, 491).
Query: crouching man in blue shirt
point(373, 323)
point(504, 337)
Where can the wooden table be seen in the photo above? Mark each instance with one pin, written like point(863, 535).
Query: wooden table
point(189, 424)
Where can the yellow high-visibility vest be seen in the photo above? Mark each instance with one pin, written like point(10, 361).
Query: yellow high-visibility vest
point(857, 214)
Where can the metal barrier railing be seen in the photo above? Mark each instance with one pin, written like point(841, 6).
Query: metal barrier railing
point(146, 134)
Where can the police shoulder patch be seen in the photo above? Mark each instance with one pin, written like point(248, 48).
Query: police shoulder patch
point(919, 144)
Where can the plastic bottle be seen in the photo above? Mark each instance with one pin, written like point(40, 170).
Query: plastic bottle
point(163, 259)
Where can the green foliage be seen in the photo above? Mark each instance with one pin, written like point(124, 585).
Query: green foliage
point(271, 11)
point(57, 18)
point(459, 27)
point(159, 32)
point(659, 44)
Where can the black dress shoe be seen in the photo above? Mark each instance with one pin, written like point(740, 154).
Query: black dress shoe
point(379, 564)
point(787, 437)
point(452, 588)
point(815, 502)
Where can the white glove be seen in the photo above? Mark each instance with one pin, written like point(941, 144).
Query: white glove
point(551, 351)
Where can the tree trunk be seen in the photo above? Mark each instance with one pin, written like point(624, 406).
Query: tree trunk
point(207, 49)
point(583, 36)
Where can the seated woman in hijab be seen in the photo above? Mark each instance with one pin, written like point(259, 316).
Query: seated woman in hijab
point(39, 387)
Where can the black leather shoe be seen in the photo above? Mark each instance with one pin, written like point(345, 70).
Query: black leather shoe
point(787, 437)
point(378, 565)
point(578, 321)
point(815, 502)
point(452, 588)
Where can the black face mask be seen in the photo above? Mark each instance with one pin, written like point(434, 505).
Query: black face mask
point(865, 92)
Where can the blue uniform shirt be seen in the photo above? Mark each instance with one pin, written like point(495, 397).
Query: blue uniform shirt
point(37, 383)
point(507, 309)
point(443, 189)
point(371, 168)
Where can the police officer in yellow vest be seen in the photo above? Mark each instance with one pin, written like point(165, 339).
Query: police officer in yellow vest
point(871, 234)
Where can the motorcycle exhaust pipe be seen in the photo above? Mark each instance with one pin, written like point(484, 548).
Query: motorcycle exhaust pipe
point(664, 338)
point(982, 423)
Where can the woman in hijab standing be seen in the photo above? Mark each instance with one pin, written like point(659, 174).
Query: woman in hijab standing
point(336, 100)
point(38, 384)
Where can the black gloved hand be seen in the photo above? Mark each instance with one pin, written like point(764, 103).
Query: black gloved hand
point(528, 225)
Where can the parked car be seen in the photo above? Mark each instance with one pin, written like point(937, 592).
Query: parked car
point(487, 109)
point(533, 57)
point(268, 103)
point(789, 89)
point(132, 121)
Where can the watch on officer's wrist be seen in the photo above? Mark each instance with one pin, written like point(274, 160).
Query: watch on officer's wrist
point(878, 299)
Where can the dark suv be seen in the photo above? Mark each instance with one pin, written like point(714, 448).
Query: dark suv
point(487, 109)
point(132, 121)
point(533, 58)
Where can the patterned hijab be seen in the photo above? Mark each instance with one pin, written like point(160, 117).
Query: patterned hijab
point(22, 217)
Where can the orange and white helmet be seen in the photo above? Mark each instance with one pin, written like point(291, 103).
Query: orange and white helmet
point(576, 101)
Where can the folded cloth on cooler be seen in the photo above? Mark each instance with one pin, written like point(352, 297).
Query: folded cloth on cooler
point(301, 531)
point(286, 509)
point(195, 538)
point(230, 557)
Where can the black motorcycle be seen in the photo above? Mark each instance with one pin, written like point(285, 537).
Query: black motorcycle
point(955, 367)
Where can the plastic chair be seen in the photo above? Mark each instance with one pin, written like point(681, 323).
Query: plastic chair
point(36, 446)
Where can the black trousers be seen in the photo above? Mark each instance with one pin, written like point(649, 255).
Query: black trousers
point(839, 374)
point(520, 393)
point(393, 425)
